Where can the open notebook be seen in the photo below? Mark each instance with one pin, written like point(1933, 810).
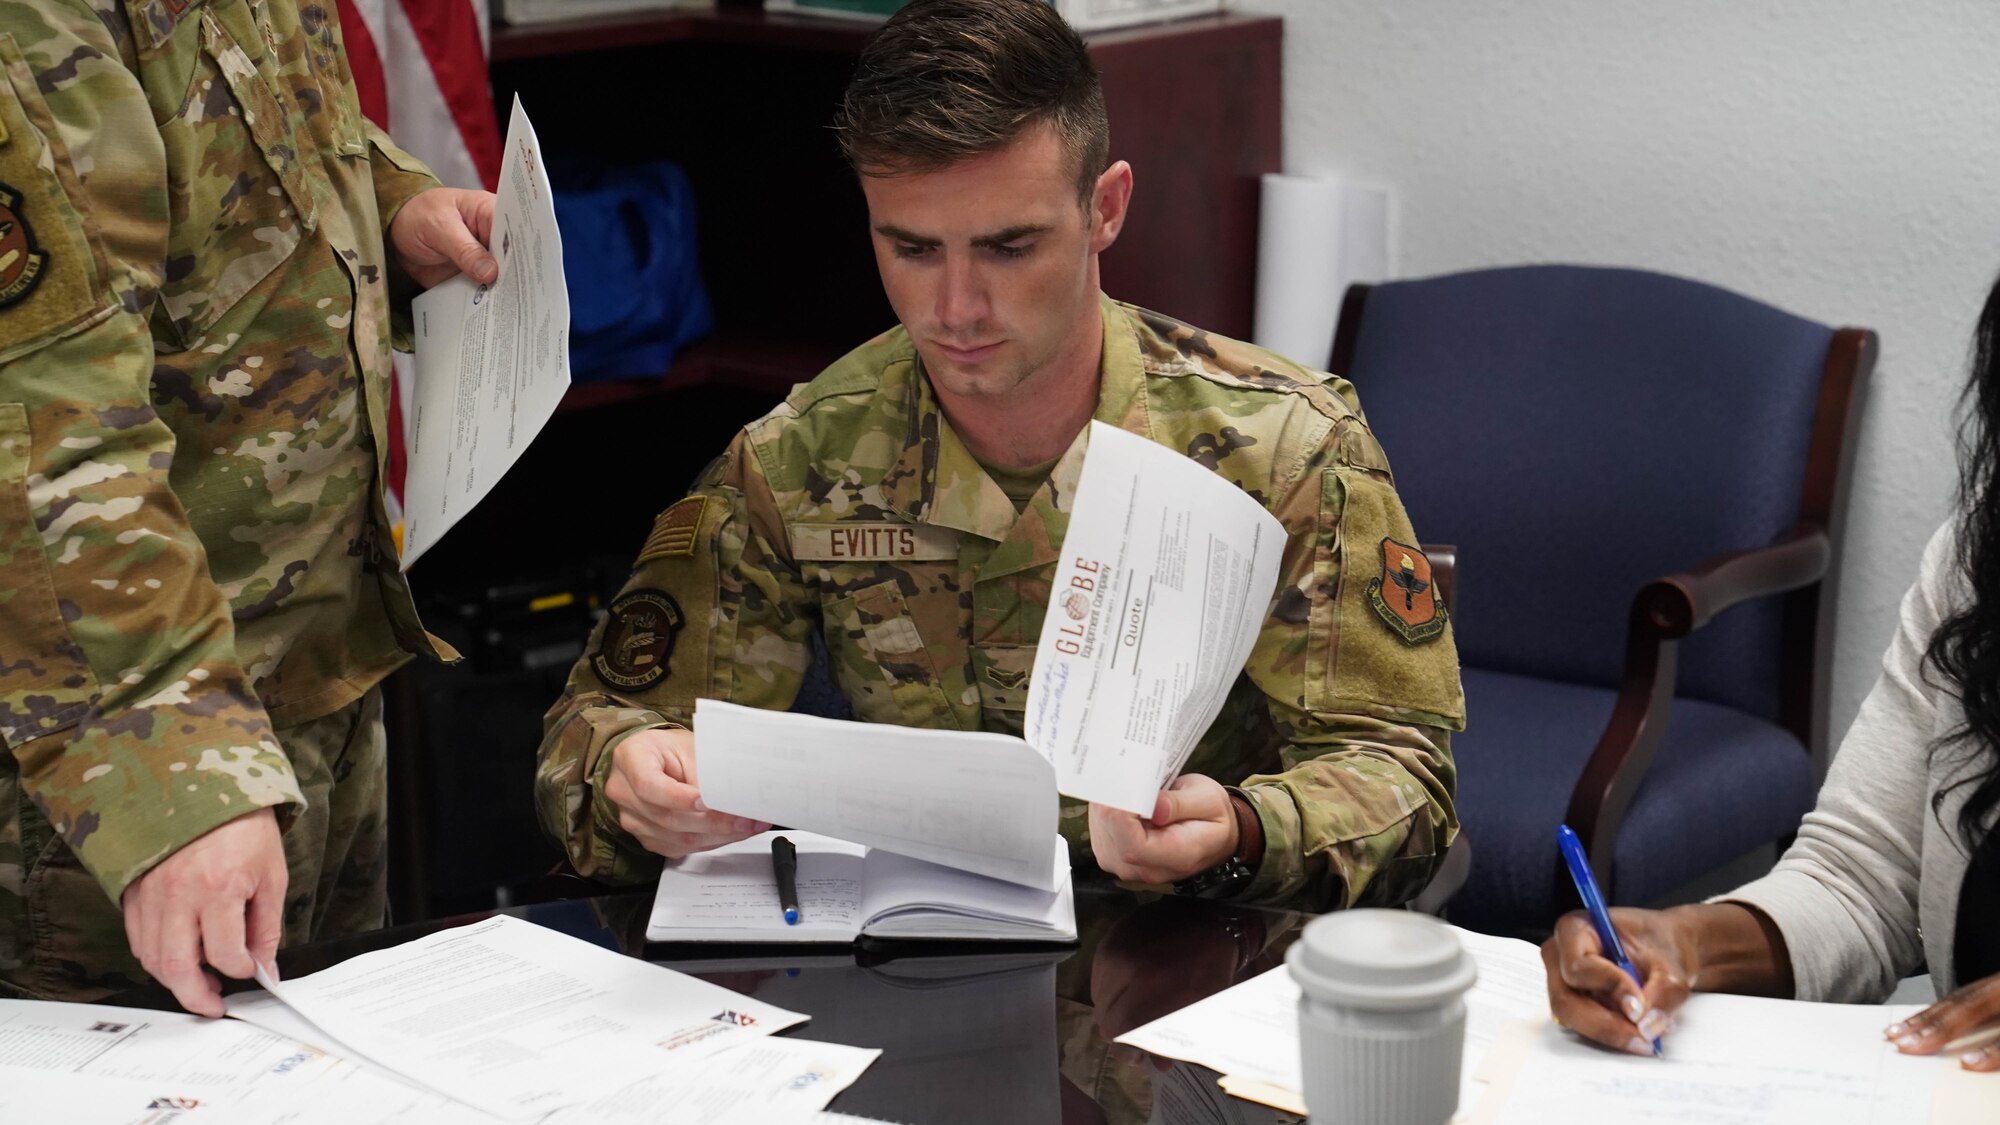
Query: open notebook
point(847, 891)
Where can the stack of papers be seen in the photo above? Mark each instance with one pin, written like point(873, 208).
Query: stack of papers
point(499, 1021)
point(1740, 1059)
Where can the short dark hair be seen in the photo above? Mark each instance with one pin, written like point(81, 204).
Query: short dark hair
point(945, 80)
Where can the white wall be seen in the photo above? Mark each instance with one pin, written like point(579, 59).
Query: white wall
point(1839, 159)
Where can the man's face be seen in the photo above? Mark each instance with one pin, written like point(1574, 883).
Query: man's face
point(991, 263)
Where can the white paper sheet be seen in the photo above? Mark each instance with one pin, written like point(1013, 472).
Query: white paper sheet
point(1166, 576)
point(771, 1080)
point(96, 1065)
point(1251, 1031)
point(518, 1020)
point(492, 360)
point(1730, 1060)
point(980, 802)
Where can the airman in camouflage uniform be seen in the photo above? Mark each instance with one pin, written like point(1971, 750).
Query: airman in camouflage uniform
point(852, 511)
point(906, 510)
point(197, 593)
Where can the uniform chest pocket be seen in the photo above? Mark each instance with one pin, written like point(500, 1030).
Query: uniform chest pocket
point(881, 660)
point(241, 187)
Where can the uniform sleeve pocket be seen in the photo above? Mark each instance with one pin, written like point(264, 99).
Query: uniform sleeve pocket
point(46, 685)
point(1381, 639)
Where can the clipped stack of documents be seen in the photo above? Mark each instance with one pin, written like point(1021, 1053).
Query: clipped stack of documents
point(498, 1021)
point(1741, 1059)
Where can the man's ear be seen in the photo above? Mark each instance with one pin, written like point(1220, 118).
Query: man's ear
point(1108, 203)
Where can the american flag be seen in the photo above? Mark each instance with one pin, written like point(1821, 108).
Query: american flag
point(420, 70)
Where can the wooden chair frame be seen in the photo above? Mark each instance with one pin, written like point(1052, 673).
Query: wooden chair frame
point(1799, 566)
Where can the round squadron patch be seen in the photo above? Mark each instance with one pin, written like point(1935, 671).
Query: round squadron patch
point(1405, 597)
point(22, 262)
point(639, 634)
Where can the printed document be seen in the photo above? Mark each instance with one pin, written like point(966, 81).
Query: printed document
point(492, 360)
point(517, 1020)
point(1737, 1060)
point(977, 801)
point(1166, 576)
point(86, 1064)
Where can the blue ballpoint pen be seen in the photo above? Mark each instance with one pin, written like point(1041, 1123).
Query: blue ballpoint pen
point(1593, 901)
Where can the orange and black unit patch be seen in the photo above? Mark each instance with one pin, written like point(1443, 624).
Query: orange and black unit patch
point(1404, 596)
point(675, 531)
point(22, 263)
point(639, 634)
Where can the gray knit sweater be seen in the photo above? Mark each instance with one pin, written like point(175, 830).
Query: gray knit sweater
point(1869, 892)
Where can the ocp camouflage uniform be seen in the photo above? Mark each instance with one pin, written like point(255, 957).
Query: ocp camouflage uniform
point(853, 511)
point(196, 592)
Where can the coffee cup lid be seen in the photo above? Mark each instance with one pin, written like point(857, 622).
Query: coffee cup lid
point(1381, 960)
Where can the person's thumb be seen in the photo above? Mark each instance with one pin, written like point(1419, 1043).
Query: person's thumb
point(460, 246)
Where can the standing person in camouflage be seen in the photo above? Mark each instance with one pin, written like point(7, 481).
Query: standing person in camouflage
point(909, 504)
point(197, 591)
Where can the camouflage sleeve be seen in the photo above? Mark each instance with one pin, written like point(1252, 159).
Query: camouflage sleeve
point(398, 178)
point(714, 607)
point(121, 699)
point(1360, 674)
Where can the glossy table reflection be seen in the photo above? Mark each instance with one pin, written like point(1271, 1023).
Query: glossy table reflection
point(972, 1033)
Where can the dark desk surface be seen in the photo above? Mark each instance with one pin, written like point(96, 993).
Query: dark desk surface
point(971, 1033)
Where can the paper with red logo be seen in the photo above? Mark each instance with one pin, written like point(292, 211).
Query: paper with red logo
point(519, 1020)
point(1165, 578)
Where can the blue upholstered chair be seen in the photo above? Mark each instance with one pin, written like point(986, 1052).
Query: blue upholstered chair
point(1644, 477)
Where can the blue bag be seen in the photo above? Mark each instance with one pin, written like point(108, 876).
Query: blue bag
point(630, 257)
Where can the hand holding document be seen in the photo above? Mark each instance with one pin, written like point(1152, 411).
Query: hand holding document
point(1166, 574)
point(1166, 577)
point(1736, 1059)
point(492, 360)
point(499, 1021)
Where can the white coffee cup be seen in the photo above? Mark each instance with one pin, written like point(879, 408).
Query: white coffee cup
point(1381, 1017)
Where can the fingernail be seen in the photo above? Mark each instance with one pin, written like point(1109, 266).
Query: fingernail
point(1638, 1046)
point(700, 805)
point(1975, 1058)
point(487, 271)
point(1907, 1041)
point(743, 825)
point(1654, 1024)
point(1893, 1030)
point(1635, 1008)
point(271, 970)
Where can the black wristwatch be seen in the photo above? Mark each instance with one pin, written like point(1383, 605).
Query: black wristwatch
point(1229, 878)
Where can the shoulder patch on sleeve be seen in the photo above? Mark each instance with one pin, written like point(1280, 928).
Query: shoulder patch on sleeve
point(22, 260)
point(1404, 595)
point(676, 531)
point(638, 639)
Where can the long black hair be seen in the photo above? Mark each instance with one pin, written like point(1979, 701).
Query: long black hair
point(1966, 647)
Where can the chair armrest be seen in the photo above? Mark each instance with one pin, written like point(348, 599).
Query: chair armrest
point(1664, 611)
point(1444, 571)
point(1678, 604)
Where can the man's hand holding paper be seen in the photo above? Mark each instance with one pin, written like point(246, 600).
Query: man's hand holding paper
point(654, 784)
